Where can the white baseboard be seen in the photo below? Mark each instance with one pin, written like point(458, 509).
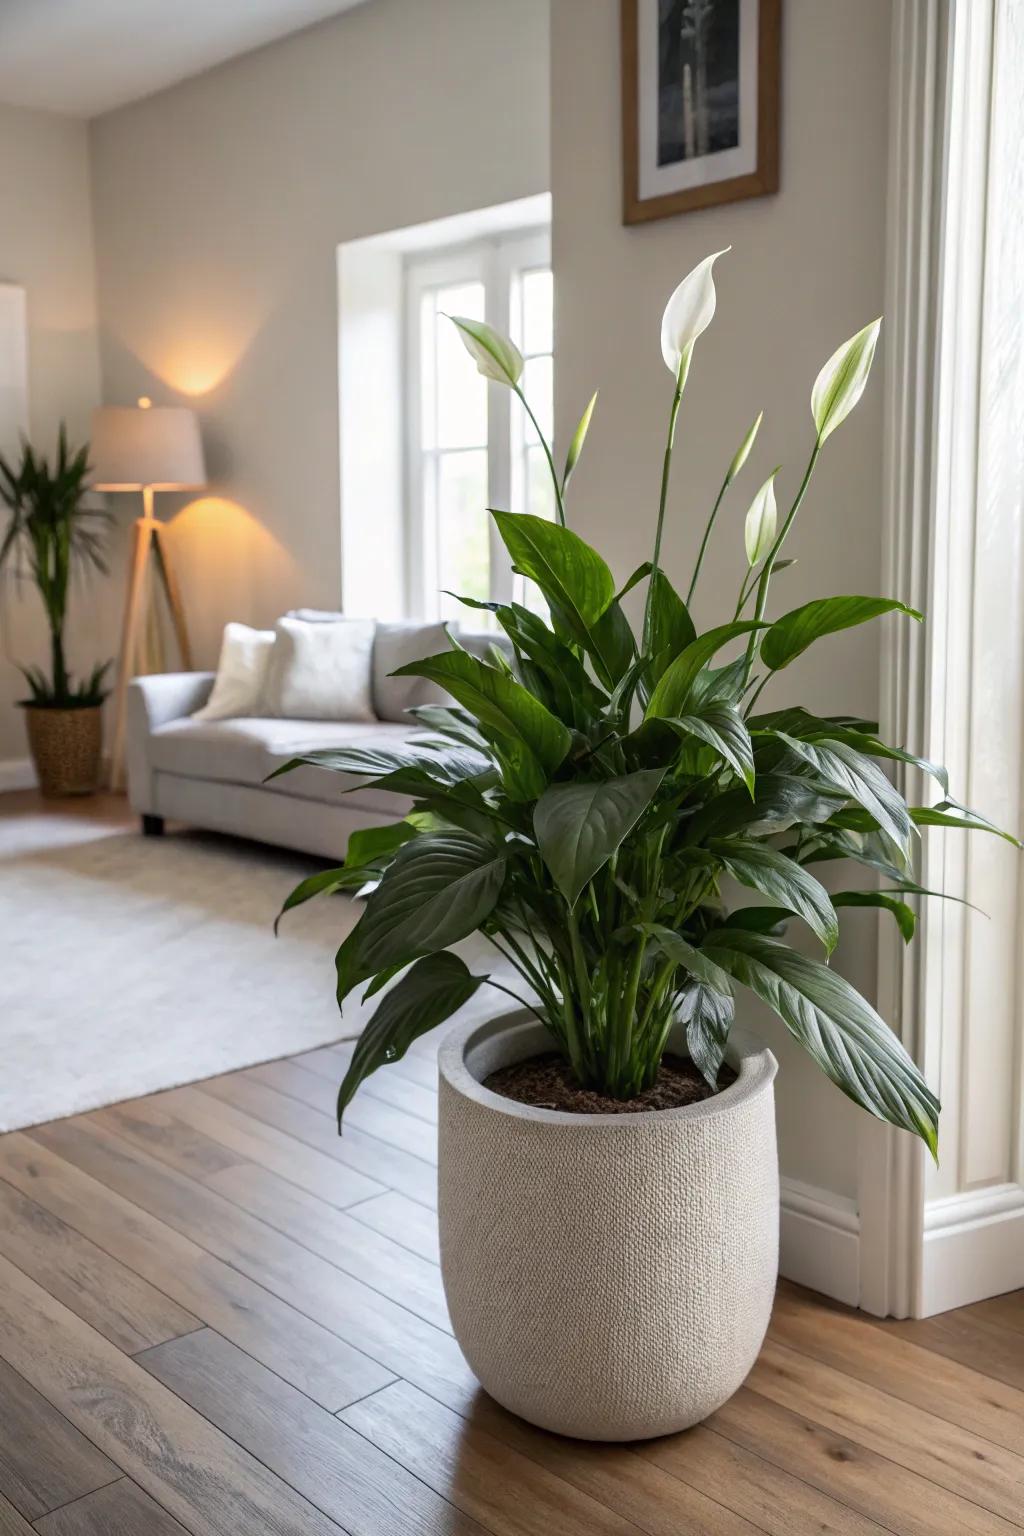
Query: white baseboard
point(819, 1241)
point(16, 773)
point(973, 1248)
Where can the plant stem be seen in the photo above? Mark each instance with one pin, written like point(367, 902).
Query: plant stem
point(773, 554)
point(704, 541)
point(490, 982)
point(666, 470)
point(559, 503)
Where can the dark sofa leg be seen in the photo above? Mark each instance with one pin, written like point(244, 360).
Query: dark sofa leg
point(152, 826)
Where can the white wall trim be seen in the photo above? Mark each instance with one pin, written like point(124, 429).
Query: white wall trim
point(819, 1240)
point(16, 773)
point(972, 1236)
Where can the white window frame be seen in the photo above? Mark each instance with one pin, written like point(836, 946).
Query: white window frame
point(498, 263)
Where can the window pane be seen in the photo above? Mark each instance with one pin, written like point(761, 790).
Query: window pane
point(538, 327)
point(461, 391)
point(540, 496)
point(537, 387)
point(463, 551)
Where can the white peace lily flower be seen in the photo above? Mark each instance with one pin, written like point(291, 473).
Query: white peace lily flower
point(841, 382)
point(688, 312)
point(495, 356)
point(762, 519)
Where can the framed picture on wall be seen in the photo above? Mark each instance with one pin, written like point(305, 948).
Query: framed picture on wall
point(700, 103)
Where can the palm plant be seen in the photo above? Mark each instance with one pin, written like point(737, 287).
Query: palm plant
point(50, 532)
point(583, 806)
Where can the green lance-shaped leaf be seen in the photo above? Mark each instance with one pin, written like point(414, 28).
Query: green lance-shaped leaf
point(799, 722)
point(529, 740)
point(950, 813)
point(839, 1029)
point(430, 992)
point(743, 451)
point(708, 1018)
point(721, 726)
point(670, 697)
point(455, 765)
point(579, 826)
point(843, 768)
point(795, 631)
point(495, 356)
point(782, 880)
point(574, 579)
point(761, 522)
point(369, 849)
point(578, 439)
point(670, 629)
point(439, 889)
point(841, 382)
point(704, 1002)
point(887, 901)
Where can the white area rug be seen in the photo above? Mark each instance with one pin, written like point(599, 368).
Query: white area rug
point(131, 964)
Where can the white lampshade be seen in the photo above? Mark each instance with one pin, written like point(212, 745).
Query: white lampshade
point(135, 447)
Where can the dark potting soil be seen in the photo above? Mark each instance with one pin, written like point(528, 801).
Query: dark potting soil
point(547, 1082)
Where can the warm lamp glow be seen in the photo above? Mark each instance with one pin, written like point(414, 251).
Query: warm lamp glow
point(144, 402)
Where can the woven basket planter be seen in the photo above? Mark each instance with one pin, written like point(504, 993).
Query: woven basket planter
point(608, 1276)
point(66, 747)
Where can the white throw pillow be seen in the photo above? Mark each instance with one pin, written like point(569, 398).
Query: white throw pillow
point(241, 674)
point(321, 671)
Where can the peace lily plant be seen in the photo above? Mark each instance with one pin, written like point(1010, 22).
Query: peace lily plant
point(591, 808)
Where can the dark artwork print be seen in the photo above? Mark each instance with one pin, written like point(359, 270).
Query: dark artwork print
point(698, 78)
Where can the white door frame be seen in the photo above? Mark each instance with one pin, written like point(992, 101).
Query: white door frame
point(954, 688)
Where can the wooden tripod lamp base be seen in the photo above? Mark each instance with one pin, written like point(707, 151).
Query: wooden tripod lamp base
point(139, 448)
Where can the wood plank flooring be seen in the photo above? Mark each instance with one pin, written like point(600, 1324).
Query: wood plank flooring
point(217, 1319)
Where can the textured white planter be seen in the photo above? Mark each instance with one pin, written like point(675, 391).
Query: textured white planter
point(608, 1276)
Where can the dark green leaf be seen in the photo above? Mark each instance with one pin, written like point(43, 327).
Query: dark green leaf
point(574, 579)
point(670, 628)
point(580, 826)
point(721, 726)
point(795, 631)
point(530, 742)
point(439, 889)
point(430, 992)
point(843, 768)
point(764, 869)
point(324, 883)
point(708, 1018)
point(670, 697)
point(902, 913)
point(456, 764)
point(951, 814)
point(838, 1028)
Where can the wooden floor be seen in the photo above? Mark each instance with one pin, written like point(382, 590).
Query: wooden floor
point(216, 1317)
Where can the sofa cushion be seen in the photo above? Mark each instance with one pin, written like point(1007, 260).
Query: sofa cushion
point(246, 751)
point(395, 645)
point(320, 671)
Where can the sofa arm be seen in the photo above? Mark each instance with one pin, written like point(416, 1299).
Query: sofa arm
point(152, 702)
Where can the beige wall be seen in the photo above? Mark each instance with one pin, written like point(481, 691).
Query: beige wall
point(219, 206)
point(805, 271)
point(46, 246)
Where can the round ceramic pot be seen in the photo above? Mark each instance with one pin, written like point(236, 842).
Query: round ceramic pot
point(608, 1276)
point(66, 748)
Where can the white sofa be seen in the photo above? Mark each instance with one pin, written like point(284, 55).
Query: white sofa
point(212, 773)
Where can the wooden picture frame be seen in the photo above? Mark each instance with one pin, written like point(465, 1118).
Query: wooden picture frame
point(748, 169)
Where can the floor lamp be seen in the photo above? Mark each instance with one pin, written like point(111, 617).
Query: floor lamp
point(145, 448)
